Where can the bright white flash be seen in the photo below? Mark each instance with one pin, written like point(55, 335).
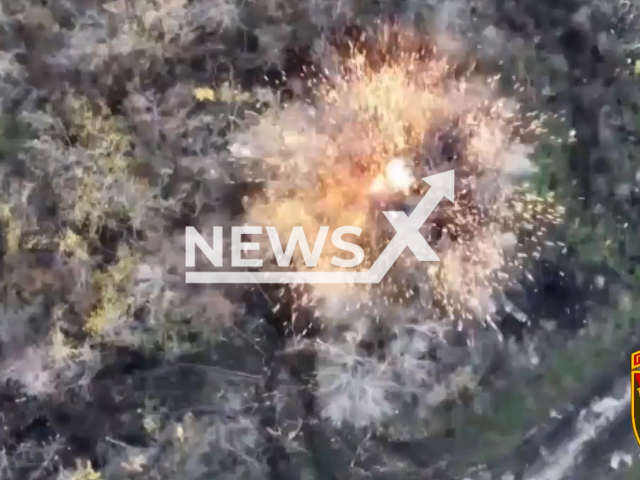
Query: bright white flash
point(397, 177)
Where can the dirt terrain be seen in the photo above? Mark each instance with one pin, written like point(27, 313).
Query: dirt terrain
point(124, 122)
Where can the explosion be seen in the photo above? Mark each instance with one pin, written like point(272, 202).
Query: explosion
point(364, 141)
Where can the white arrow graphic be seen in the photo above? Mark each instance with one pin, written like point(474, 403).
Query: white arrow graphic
point(408, 235)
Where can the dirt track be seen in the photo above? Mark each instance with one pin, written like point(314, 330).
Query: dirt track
point(592, 438)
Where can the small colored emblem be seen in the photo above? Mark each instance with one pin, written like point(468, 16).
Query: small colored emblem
point(635, 394)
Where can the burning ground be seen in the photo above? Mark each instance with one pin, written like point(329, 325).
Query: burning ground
point(125, 122)
point(378, 122)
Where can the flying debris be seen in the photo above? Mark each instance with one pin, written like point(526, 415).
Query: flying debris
point(394, 115)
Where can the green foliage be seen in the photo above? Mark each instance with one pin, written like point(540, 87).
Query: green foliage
point(119, 123)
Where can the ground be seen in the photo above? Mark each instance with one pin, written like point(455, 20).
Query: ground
point(124, 122)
